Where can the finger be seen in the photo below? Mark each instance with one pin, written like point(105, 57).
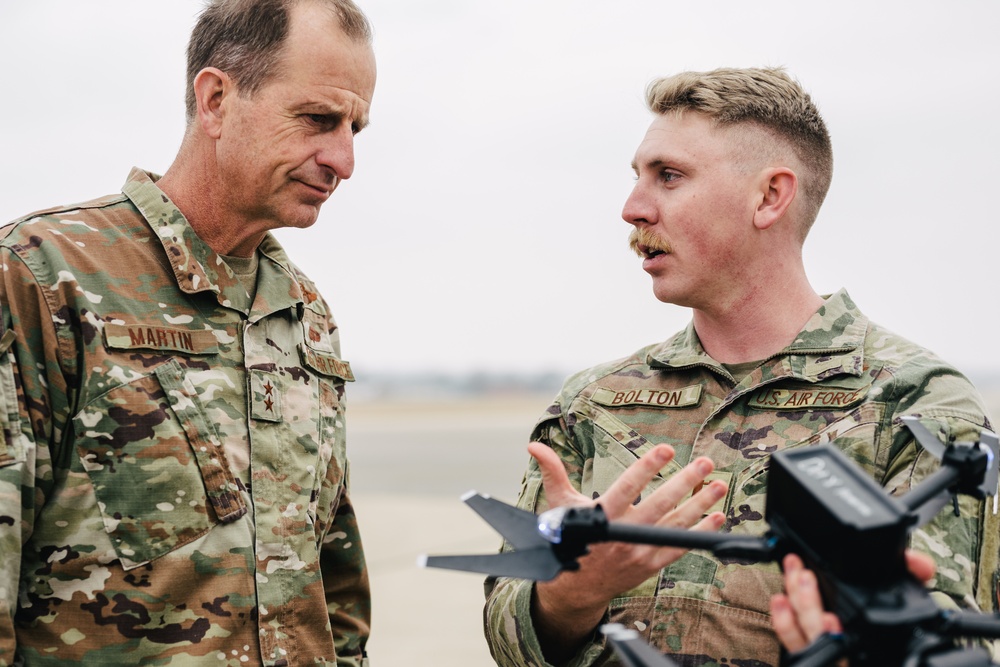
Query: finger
point(785, 625)
point(920, 565)
point(803, 593)
point(623, 492)
point(831, 624)
point(664, 556)
point(696, 507)
point(711, 522)
point(666, 498)
point(790, 564)
point(558, 489)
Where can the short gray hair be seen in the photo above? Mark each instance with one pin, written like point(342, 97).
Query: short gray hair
point(244, 39)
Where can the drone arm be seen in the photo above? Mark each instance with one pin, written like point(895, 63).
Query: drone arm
point(930, 488)
point(970, 624)
point(721, 544)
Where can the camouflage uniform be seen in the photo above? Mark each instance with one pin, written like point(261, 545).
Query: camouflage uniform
point(843, 379)
point(173, 477)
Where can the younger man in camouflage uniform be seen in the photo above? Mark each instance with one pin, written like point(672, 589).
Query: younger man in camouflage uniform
point(173, 474)
point(730, 176)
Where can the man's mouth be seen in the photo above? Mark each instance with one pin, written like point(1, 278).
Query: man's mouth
point(647, 252)
point(646, 245)
point(324, 190)
point(321, 186)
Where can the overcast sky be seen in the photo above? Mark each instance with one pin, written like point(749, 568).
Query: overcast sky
point(482, 228)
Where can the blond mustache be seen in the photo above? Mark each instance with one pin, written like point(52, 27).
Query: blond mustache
point(641, 236)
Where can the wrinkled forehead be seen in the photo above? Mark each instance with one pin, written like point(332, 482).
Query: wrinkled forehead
point(323, 66)
point(318, 47)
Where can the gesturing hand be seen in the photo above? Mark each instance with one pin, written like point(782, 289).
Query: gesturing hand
point(568, 608)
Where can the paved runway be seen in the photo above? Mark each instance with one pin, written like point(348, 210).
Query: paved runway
point(410, 463)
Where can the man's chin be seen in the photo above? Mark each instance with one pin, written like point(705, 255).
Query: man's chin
point(665, 294)
point(305, 217)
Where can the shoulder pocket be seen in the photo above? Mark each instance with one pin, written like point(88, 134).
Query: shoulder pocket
point(157, 466)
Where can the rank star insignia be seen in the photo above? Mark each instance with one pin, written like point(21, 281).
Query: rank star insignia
point(265, 396)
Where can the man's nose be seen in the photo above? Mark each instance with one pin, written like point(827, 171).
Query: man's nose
point(638, 209)
point(336, 152)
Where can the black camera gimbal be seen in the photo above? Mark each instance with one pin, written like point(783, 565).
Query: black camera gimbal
point(819, 506)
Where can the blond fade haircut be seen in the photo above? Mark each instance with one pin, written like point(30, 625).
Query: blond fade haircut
point(767, 98)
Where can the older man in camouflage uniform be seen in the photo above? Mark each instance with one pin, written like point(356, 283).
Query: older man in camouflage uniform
point(730, 177)
point(173, 474)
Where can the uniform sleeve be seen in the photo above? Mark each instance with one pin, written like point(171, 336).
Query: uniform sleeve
point(507, 616)
point(966, 546)
point(32, 390)
point(345, 580)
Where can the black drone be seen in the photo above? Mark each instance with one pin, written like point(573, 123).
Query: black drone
point(820, 506)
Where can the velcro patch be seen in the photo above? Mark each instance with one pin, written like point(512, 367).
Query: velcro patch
point(265, 399)
point(136, 336)
point(793, 399)
point(654, 398)
point(326, 364)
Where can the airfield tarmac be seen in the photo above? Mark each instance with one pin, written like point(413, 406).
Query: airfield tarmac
point(411, 460)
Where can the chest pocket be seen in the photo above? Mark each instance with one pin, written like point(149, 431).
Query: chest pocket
point(156, 464)
point(856, 434)
point(617, 446)
point(332, 470)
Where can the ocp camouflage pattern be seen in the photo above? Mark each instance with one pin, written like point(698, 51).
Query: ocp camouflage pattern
point(843, 380)
point(174, 480)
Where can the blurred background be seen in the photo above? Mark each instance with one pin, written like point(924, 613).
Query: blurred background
point(478, 256)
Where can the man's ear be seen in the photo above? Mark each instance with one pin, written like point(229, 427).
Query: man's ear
point(211, 86)
point(778, 187)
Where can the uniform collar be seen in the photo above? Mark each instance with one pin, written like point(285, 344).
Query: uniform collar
point(198, 268)
point(831, 343)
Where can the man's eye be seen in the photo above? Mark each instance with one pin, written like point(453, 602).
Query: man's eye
point(323, 121)
point(668, 176)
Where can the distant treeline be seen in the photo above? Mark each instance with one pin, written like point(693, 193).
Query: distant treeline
point(452, 385)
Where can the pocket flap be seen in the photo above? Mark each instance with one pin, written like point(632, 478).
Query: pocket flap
point(326, 364)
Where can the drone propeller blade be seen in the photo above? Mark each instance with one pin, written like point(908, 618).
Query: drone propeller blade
point(539, 564)
point(632, 651)
point(518, 526)
point(926, 439)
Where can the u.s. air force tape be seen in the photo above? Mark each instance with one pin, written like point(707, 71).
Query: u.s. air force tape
point(790, 399)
